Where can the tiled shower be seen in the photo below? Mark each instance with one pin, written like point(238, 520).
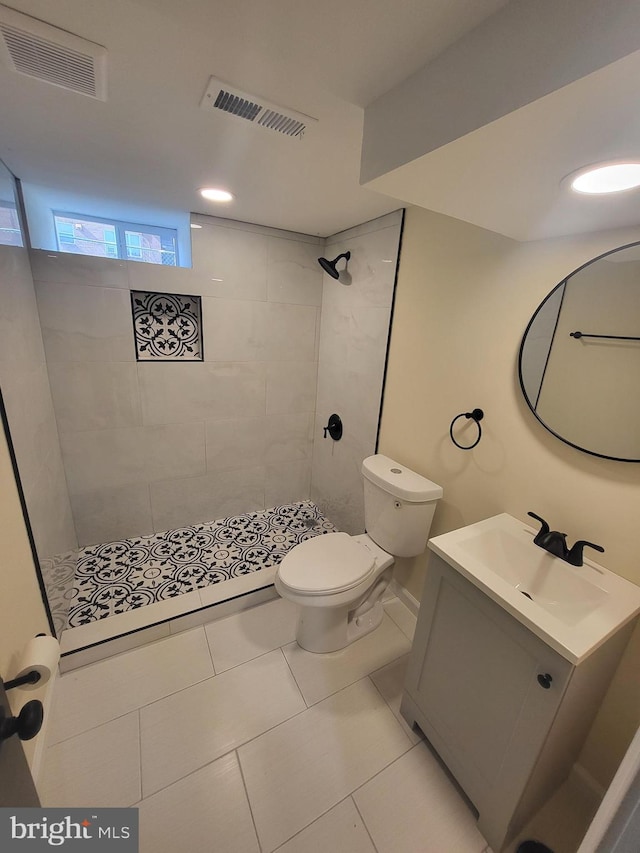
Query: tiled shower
point(229, 422)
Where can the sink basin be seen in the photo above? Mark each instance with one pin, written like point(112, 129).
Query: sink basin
point(574, 609)
point(567, 592)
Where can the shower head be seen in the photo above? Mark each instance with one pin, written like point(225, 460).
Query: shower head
point(330, 266)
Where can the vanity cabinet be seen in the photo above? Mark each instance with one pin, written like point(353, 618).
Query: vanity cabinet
point(506, 713)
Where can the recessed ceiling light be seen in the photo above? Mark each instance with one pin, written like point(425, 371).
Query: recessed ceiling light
point(193, 225)
point(606, 178)
point(215, 194)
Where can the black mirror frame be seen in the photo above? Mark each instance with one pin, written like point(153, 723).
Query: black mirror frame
point(522, 343)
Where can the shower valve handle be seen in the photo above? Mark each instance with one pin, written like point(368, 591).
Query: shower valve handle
point(334, 427)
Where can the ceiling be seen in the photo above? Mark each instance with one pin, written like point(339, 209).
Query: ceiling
point(509, 175)
point(151, 144)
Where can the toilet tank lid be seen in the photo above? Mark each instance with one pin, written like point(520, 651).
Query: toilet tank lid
point(399, 481)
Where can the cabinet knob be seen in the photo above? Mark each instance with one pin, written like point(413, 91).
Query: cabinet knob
point(545, 680)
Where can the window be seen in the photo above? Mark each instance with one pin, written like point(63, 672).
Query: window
point(10, 234)
point(110, 238)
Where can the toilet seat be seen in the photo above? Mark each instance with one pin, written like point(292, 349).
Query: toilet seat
point(326, 564)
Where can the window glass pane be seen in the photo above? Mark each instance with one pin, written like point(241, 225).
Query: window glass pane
point(86, 237)
point(151, 247)
point(108, 238)
point(9, 225)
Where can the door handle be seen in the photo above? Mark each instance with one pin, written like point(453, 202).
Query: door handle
point(26, 725)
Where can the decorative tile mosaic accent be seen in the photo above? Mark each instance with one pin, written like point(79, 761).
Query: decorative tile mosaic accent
point(121, 576)
point(167, 326)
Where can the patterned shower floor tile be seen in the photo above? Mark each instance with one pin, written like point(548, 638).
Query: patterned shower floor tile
point(58, 574)
point(119, 576)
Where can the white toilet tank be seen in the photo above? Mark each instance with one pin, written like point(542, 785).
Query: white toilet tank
point(398, 506)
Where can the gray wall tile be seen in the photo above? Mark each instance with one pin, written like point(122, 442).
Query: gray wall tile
point(161, 279)
point(181, 393)
point(253, 398)
point(251, 403)
point(27, 396)
point(286, 332)
point(354, 331)
point(237, 330)
point(95, 395)
point(234, 262)
point(79, 269)
point(287, 482)
point(104, 515)
point(81, 323)
point(117, 457)
point(236, 443)
point(288, 438)
point(291, 386)
point(230, 330)
point(20, 335)
point(293, 272)
point(182, 502)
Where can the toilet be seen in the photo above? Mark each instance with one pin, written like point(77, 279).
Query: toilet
point(338, 580)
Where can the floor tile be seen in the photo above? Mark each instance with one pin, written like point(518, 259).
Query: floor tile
point(340, 830)
point(319, 676)
point(187, 730)
point(300, 769)
point(247, 635)
point(204, 812)
point(390, 681)
point(102, 691)
point(563, 820)
point(402, 616)
point(99, 768)
point(413, 806)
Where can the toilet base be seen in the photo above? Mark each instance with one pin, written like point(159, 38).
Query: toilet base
point(328, 629)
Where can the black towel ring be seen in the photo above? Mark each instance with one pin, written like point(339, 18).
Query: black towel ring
point(476, 415)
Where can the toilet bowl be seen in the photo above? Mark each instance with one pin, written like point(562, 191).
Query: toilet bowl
point(337, 579)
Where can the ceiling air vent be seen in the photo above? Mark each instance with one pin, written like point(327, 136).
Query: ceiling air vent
point(220, 96)
point(47, 53)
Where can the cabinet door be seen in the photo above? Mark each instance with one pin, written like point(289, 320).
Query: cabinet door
point(474, 676)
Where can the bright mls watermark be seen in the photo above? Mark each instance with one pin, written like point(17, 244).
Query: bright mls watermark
point(83, 830)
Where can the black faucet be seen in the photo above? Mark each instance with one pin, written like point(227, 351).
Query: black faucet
point(556, 543)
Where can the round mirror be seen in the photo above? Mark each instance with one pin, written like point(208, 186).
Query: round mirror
point(580, 357)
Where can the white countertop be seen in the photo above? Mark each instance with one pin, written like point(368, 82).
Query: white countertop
point(573, 609)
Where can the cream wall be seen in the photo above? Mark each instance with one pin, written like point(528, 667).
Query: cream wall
point(464, 297)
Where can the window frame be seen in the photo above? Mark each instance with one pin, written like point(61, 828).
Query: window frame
point(121, 226)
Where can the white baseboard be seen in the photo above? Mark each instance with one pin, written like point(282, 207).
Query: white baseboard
point(405, 596)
